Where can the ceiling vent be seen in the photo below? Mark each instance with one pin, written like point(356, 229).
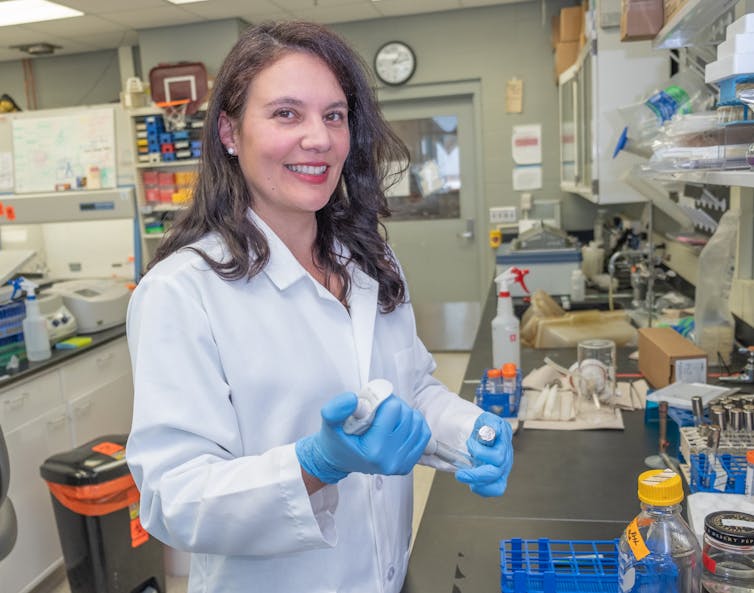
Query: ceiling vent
point(37, 49)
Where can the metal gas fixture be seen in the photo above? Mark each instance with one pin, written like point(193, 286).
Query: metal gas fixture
point(747, 374)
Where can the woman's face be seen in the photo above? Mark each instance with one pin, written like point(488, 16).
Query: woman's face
point(293, 137)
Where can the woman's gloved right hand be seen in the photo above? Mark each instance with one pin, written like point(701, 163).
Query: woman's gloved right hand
point(390, 446)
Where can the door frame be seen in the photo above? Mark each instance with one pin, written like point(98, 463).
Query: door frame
point(470, 90)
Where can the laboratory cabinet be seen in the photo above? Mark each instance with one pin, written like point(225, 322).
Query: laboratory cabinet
point(53, 411)
point(166, 165)
point(607, 75)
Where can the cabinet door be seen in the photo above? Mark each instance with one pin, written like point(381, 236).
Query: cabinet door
point(104, 410)
point(37, 551)
point(22, 403)
point(90, 371)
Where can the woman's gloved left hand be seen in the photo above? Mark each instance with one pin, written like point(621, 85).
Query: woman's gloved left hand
point(492, 461)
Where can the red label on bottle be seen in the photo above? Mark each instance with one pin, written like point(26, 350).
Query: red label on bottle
point(709, 563)
point(512, 337)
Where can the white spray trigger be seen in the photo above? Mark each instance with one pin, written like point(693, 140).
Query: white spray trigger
point(370, 397)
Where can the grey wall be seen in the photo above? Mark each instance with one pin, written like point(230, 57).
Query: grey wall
point(65, 81)
point(492, 45)
point(199, 42)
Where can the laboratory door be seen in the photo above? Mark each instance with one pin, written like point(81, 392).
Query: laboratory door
point(434, 228)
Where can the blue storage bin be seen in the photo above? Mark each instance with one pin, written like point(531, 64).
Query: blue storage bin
point(555, 566)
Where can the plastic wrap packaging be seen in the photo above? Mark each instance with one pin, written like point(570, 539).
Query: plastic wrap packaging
point(714, 327)
point(685, 93)
point(700, 141)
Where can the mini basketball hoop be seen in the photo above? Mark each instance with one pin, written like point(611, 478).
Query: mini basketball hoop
point(174, 114)
point(169, 83)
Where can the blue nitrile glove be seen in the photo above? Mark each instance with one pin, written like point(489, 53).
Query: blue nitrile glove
point(390, 446)
point(492, 462)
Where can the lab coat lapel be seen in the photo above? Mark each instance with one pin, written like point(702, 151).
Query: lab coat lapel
point(363, 309)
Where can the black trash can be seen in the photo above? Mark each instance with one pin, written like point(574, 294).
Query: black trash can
point(96, 504)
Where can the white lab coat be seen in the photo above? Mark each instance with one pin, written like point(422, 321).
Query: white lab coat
point(227, 377)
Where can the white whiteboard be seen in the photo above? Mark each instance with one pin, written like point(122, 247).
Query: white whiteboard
point(50, 151)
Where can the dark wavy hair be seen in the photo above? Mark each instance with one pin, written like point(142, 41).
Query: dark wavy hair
point(221, 197)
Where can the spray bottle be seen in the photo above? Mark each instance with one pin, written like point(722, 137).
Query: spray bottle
point(506, 344)
point(36, 338)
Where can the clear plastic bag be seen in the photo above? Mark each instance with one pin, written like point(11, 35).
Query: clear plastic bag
point(714, 326)
point(685, 93)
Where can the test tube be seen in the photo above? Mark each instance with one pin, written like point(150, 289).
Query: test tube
point(749, 485)
point(713, 442)
point(749, 417)
point(457, 458)
point(736, 419)
point(697, 408)
point(719, 417)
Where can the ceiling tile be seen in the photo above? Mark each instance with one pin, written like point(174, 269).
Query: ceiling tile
point(295, 6)
point(400, 7)
point(338, 14)
point(80, 25)
point(223, 9)
point(111, 39)
point(157, 17)
point(105, 6)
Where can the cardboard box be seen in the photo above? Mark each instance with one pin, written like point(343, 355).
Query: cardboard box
point(571, 23)
point(670, 7)
point(665, 357)
point(566, 53)
point(640, 19)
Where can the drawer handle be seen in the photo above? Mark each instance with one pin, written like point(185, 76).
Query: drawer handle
point(17, 401)
point(105, 358)
point(56, 422)
point(82, 409)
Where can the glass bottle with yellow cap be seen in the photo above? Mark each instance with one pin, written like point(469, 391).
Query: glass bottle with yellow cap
point(658, 552)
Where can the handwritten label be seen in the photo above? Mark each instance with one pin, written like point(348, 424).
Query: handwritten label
point(636, 541)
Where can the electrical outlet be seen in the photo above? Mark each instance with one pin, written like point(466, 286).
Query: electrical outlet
point(503, 215)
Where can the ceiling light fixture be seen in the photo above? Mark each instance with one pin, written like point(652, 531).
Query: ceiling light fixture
point(37, 49)
point(17, 12)
point(185, 1)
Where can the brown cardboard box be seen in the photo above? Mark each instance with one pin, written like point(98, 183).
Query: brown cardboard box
point(665, 357)
point(671, 7)
point(566, 53)
point(640, 19)
point(571, 23)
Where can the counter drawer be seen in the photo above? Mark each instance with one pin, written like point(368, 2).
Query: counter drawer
point(99, 367)
point(29, 400)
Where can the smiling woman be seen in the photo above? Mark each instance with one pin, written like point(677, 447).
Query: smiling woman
point(280, 299)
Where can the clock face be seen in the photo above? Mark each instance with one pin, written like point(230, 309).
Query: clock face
point(395, 63)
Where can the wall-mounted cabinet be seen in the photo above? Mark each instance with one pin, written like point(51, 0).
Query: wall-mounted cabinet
point(607, 75)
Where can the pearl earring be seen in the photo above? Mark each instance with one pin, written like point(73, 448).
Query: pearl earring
point(231, 151)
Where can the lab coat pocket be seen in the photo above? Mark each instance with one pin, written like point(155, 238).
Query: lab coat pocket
point(403, 381)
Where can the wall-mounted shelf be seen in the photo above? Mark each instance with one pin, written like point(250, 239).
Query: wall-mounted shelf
point(740, 178)
point(697, 22)
point(169, 164)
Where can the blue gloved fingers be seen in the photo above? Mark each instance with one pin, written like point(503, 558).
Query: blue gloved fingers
point(485, 480)
point(497, 452)
point(397, 437)
point(335, 412)
point(414, 442)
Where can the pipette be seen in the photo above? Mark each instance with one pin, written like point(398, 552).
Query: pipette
point(378, 390)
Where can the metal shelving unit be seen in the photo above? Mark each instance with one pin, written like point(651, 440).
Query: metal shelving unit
point(697, 22)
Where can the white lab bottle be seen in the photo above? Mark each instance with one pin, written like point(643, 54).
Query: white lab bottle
point(36, 338)
point(578, 286)
point(506, 346)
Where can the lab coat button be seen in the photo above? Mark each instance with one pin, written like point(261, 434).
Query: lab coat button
point(390, 573)
point(378, 482)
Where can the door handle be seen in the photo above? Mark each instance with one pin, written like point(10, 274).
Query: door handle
point(468, 234)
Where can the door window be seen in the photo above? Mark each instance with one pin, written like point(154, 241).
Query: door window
point(431, 187)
